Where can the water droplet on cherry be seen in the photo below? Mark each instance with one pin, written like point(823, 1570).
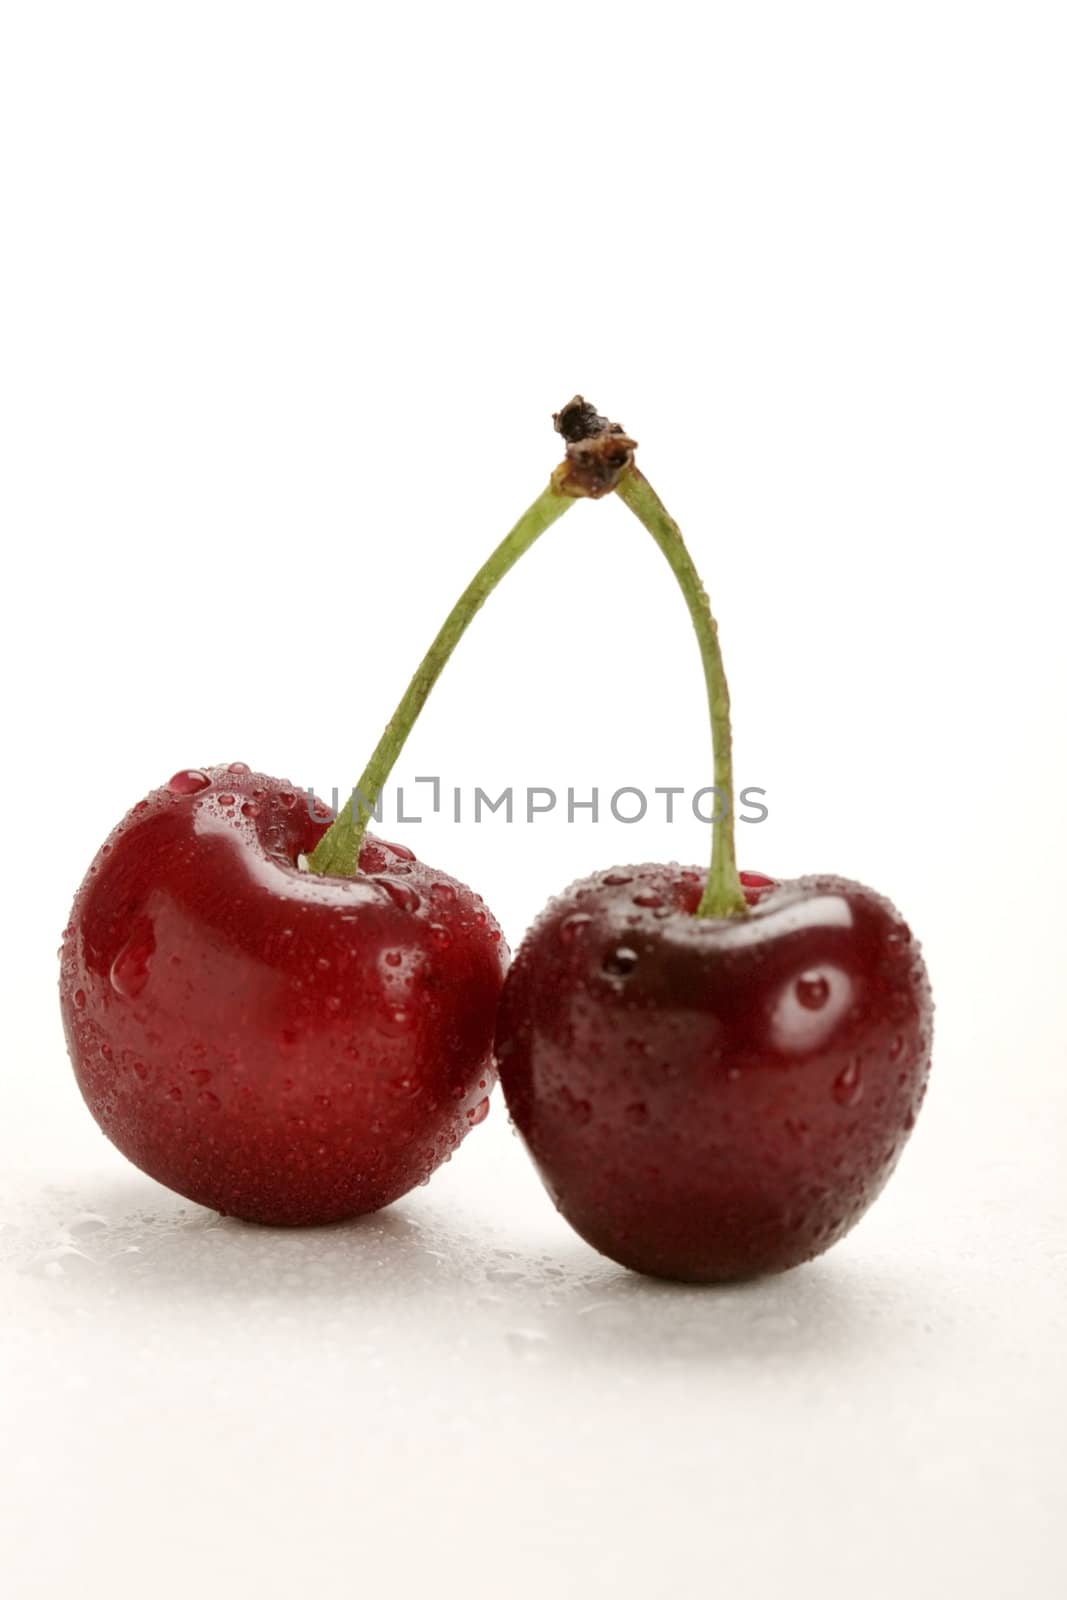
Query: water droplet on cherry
point(395, 1022)
point(250, 809)
point(79, 999)
point(616, 880)
point(400, 894)
point(848, 1085)
point(238, 766)
point(189, 781)
point(621, 961)
point(580, 1111)
point(440, 935)
point(573, 927)
point(479, 1112)
point(227, 799)
point(129, 970)
point(812, 991)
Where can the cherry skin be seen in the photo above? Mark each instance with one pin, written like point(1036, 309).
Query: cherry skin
point(712, 1099)
point(280, 1046)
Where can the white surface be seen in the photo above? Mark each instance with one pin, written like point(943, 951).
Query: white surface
point(458, 1397)
point(288, 295)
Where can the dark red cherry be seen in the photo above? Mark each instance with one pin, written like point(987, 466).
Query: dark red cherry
point(281, 1046)
point(713, 1099)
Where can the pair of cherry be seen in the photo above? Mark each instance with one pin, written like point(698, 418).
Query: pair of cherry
point(293, 1022)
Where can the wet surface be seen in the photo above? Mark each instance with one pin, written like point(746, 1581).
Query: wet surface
point(457, 1393)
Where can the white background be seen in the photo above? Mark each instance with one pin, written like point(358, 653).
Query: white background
point(289, 294)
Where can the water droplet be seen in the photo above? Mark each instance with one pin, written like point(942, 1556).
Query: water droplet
point(580, 1111)
point(141, 1070)
point(637, 1114)
point(395, 1022)
point(238, 766)
point(86, 1222)
point(200, 1076)
point(648, 899)
point(440, 935)
point(616, 880)
point(573, 927)
point(399, 893)
point(287, 799)
point(206, 1098)
point(393, 958)
point(896, 1048)
point(400, 851)
point(812, 991)
point(479, 1112)
point(130, 968)
point(621, 961)
point(756, 880)
point(250, 809)
point(442, 891)
point(848, 1085)
point(174, 1094)
point(188, 781)
point(79, 999)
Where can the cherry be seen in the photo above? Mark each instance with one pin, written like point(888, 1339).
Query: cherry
point(281, 1046)
point(289, 1021)
point(711, 1098)
point(714, 1075)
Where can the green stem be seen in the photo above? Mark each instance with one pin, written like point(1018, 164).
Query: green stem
point(337, 852)
point(722, 896)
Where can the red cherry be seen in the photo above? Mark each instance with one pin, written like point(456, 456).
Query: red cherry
point(711, 1098)
point(281, 1046)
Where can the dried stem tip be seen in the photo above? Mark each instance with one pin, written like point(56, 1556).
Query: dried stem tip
point(598, 451)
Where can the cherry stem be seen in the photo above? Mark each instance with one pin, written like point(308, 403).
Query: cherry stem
point(337, 852)
point(723, 895)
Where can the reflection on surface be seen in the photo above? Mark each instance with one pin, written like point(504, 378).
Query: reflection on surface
point(422, 1273)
